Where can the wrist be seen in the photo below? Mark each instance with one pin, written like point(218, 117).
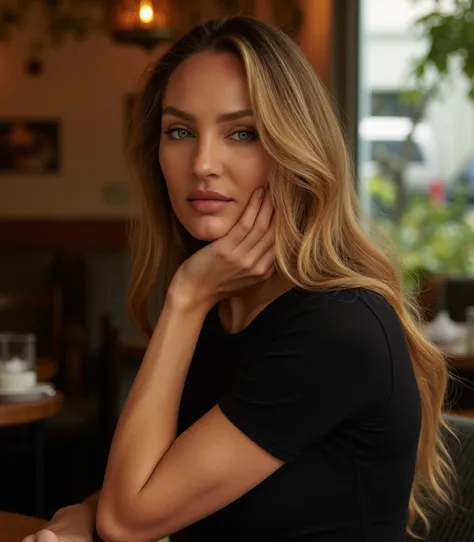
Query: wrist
point(82, 510)
point(76, 520)
point(186, 303)
point(185, 298)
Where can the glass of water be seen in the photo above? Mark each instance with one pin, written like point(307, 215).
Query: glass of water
point(17, 361)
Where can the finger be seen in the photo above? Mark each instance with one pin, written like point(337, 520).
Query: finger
point(265, 267)
point(261, 225)
point(247, 220)
point(45, 535)
point(266, 241)
point(257, 263)
point(270, 272)
point(29, 538)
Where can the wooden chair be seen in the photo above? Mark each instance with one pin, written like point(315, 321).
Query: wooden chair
point(38, 312)
point(463, 413)
point(59, 343)
point(60, 347)
point(456, 524)
point(108, 364)
point(115, 368)
point(85, 426)
point(459, 294)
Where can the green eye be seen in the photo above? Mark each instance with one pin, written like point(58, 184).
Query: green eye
point(245, 135)
point(178, 133)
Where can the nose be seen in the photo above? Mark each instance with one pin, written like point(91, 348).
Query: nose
point(207, 158)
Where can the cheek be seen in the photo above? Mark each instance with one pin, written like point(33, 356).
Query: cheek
point(173, 172)
point(165, 161)
point(252, 169)
point(257, 171)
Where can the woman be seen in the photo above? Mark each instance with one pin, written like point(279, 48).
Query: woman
point(286, 393)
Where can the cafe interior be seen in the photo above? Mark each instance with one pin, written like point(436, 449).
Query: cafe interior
point(68, 74)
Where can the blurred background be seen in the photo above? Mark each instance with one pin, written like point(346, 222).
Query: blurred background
point(402, 76)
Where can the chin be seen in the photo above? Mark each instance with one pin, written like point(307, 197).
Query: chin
point(207, 232)
point(205, 237)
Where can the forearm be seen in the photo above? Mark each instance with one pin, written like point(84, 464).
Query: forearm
point(92, 501)
point(148, 424)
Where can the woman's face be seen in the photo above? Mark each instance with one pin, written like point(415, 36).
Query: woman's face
point(210, 154)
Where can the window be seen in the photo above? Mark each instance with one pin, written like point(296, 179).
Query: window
point(390, 104)
point(425, 200)
point(394, 148)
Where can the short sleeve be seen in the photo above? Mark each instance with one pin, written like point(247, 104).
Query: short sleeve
point(321, 366)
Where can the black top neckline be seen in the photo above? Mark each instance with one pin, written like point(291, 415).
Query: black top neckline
point(255, 322)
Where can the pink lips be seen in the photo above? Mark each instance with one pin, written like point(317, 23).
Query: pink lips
point(208, 201)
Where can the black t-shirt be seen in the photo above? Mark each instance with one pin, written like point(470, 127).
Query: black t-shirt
point(323, 381)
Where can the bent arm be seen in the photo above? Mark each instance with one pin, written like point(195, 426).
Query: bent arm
point(140, 441)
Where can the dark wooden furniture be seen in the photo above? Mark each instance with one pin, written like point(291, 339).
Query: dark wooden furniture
point(459, 294)
point(14, 527)
point(108, 366)
point(456, 523)
point(30, 411)
point(38, 312)
point(453, 293)
point(463, 413)
point(461, 363)
point(33, 413)
point(115, 365)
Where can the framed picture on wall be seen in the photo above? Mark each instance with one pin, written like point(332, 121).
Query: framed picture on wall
point(30, 146)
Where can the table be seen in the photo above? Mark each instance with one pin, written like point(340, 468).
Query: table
point(33, 413)
point(463, 412)
point(15, 413)
point(456, 352)
point(14, 527)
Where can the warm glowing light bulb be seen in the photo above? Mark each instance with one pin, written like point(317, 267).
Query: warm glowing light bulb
point(146, 11)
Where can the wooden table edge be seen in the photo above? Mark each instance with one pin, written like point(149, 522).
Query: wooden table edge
point(14, 527)
point(16, 413)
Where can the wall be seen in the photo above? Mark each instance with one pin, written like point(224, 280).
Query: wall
point(84, 85)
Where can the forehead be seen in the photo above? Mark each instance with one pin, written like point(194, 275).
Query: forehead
point(208, 81)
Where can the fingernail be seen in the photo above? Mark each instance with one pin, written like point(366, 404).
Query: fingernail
point(260, 192)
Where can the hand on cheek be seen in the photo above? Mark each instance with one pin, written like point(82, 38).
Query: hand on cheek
point(244, 256)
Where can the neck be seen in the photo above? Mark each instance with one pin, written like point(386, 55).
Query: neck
point(238, 311)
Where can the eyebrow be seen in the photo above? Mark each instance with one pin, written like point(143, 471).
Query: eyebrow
point(170, 110)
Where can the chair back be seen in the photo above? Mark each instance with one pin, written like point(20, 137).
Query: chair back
point(34, 311)
point(457, 524)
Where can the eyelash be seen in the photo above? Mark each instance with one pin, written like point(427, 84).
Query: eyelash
point(254, 135)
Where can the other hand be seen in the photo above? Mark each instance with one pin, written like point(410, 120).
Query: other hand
point(45, 535)
point(243, 257)
point(51, 534)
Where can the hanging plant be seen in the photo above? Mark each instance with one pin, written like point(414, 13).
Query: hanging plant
point(146, 23)
point(59, 19)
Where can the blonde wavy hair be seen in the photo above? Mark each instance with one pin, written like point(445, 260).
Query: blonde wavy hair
point(320, 242)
